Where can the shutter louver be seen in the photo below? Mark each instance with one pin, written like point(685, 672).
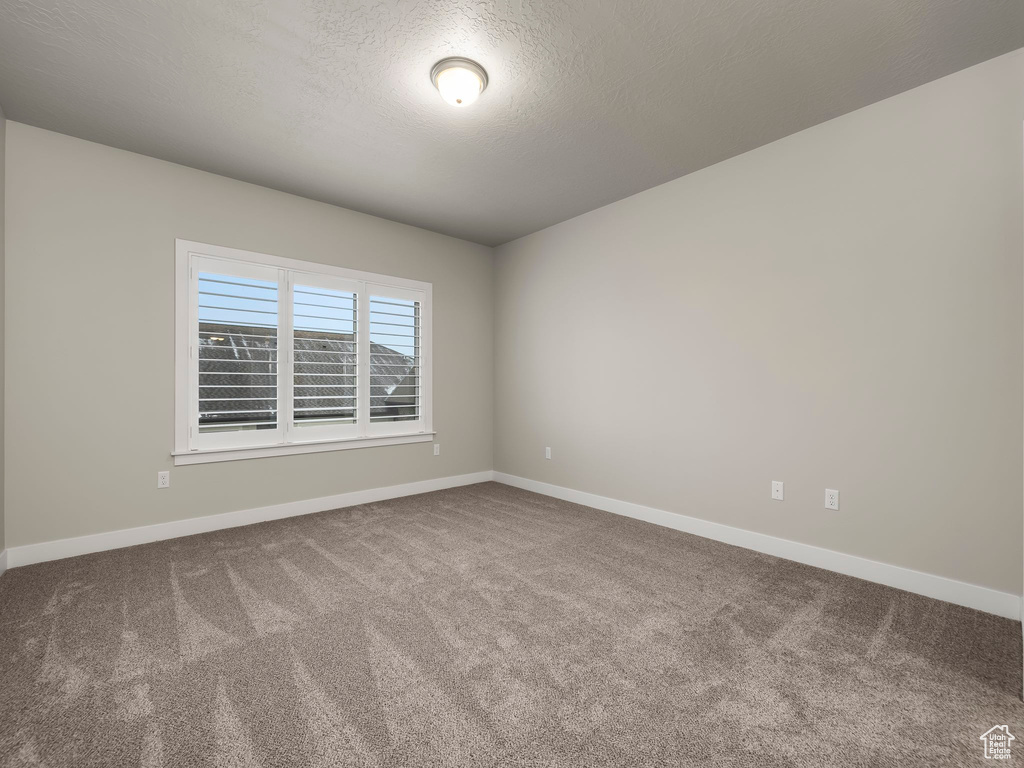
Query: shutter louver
point(237, 353)
point(394, 359)
point(325, 356)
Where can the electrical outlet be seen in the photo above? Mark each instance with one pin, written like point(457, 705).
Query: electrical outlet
point(831, 499)
point(437, 449)
point(777, 490)
point(547, 453)
point(163, 479)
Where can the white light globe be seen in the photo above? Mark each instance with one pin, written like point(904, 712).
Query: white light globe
point(458, 86)
point(460, 81)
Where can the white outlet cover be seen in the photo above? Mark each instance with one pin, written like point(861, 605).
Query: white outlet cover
point(437, 449)
point(777, 490)
point(163, 479)
point(547, 453)
point(831, 499)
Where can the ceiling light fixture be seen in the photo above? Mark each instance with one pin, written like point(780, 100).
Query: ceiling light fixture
point(459, 80)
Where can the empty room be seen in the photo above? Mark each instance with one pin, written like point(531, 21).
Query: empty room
point(507, 384)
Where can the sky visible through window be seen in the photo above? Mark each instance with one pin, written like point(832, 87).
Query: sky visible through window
point(231, 300)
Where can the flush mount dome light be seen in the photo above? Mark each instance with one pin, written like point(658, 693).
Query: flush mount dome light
point(459, 80)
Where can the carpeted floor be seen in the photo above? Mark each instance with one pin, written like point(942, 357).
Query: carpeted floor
point(486, 626)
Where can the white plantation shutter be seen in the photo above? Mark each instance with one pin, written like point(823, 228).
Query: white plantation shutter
point(275, 353)
point(325, 359)
point(395, 359)
point(235, 346)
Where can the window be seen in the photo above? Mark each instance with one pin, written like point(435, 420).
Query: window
point(279, 356)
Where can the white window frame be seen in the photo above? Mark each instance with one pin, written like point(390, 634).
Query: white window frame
point(191, 448)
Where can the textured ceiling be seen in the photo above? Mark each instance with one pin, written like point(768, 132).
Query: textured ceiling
point(589, 100)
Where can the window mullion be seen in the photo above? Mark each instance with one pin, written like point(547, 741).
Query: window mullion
point(286, 354)
point(363, 360)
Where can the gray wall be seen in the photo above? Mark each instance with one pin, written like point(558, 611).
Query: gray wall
point(839, 309)
point(90, 255)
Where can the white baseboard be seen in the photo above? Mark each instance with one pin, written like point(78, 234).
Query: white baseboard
point(3, 562)
point(99, 542)
point(951, 591)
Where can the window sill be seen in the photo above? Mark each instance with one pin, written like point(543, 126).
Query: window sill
point(182, 458)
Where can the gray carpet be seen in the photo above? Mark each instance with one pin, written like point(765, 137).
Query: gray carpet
point(486, 626)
